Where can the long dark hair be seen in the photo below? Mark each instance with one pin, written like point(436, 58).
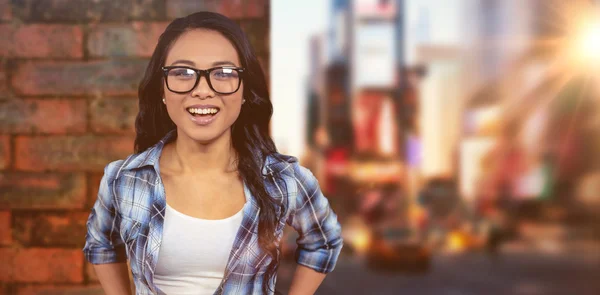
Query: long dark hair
point(250, 132)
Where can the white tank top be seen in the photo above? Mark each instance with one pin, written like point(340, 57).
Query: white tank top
point(194, 252)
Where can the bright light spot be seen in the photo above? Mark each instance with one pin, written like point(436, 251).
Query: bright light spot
point(457, 241)
point(357, 233)
point(588, 44)
point(361, 241)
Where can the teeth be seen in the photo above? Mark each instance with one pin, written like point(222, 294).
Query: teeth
point(202, 111)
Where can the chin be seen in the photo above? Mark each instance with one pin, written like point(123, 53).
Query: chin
point(204, 135)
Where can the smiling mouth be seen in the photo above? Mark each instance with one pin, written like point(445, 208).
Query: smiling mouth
point(203, 112)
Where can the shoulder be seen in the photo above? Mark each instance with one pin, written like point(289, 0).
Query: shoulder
point(286, 164)
point(134, 161)
point(112, 169)
point(289, 166)
point(115, 168)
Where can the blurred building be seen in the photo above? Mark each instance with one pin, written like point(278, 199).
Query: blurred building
point(463, 92)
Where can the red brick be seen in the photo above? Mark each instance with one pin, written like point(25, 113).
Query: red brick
point(115, 115)
point(136, 39)
point(88, 10)
point(3, 82)
point(5, 10)
point(41, 41)
point(60, 290)
point(53, 116)
point(68, 153)
point(4, 151)
point(5, 228)
point(42, 190)
point(41, 265)
point(8, 261)
point(94, 186)
point(243, 8)
point(257, 31)
point(65, 229)
point(111, 77)
point(230, 8)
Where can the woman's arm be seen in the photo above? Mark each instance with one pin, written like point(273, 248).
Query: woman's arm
point(320, 240)
point(104, 248)
point(114, 278)
point(306, 281)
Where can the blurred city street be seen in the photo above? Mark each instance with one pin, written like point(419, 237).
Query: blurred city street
point(457, 141)
point(519, 269)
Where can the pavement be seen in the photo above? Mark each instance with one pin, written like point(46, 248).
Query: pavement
point(545, 267)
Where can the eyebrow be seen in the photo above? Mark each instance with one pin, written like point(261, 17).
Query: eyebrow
point(184, 61)
point(214, 64)
point(223, 63)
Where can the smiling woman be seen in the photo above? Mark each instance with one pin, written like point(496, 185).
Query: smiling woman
point(200, 207)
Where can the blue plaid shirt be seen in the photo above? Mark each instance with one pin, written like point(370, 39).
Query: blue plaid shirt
point(127, 219)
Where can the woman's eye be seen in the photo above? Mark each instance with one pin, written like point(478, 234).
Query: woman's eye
point(225, 73)
point(181, 73)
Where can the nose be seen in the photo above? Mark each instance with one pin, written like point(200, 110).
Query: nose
point(203, 90)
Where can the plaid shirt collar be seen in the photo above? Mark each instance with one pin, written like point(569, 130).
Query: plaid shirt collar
point(273, 165)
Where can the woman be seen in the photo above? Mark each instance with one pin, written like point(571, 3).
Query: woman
point(201, 205)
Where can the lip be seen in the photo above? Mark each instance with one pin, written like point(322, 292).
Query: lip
point(202, 121)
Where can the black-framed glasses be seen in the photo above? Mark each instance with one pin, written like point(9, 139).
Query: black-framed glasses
point(222, 80)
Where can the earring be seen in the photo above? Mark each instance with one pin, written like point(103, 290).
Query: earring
point(243, 100)
point(164, 101)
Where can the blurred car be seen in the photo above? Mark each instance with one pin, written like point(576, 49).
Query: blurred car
point(397, 249)
point(394, 241)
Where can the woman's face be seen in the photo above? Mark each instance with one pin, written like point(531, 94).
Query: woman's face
point(203, 114)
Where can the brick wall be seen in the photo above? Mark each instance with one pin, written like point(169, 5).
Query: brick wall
point(68, 79)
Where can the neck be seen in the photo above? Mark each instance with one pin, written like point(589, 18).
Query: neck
point(190, 156)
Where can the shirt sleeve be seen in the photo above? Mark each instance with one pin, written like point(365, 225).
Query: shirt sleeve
point(320, 240)
point(103, 243)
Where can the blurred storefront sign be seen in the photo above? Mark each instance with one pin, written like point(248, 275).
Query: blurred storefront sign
point(374, 60)
point(336, 168)
point(366, 111)
point(414, 151)
point(376, 172)
point(380, 9)
point(375, 123)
